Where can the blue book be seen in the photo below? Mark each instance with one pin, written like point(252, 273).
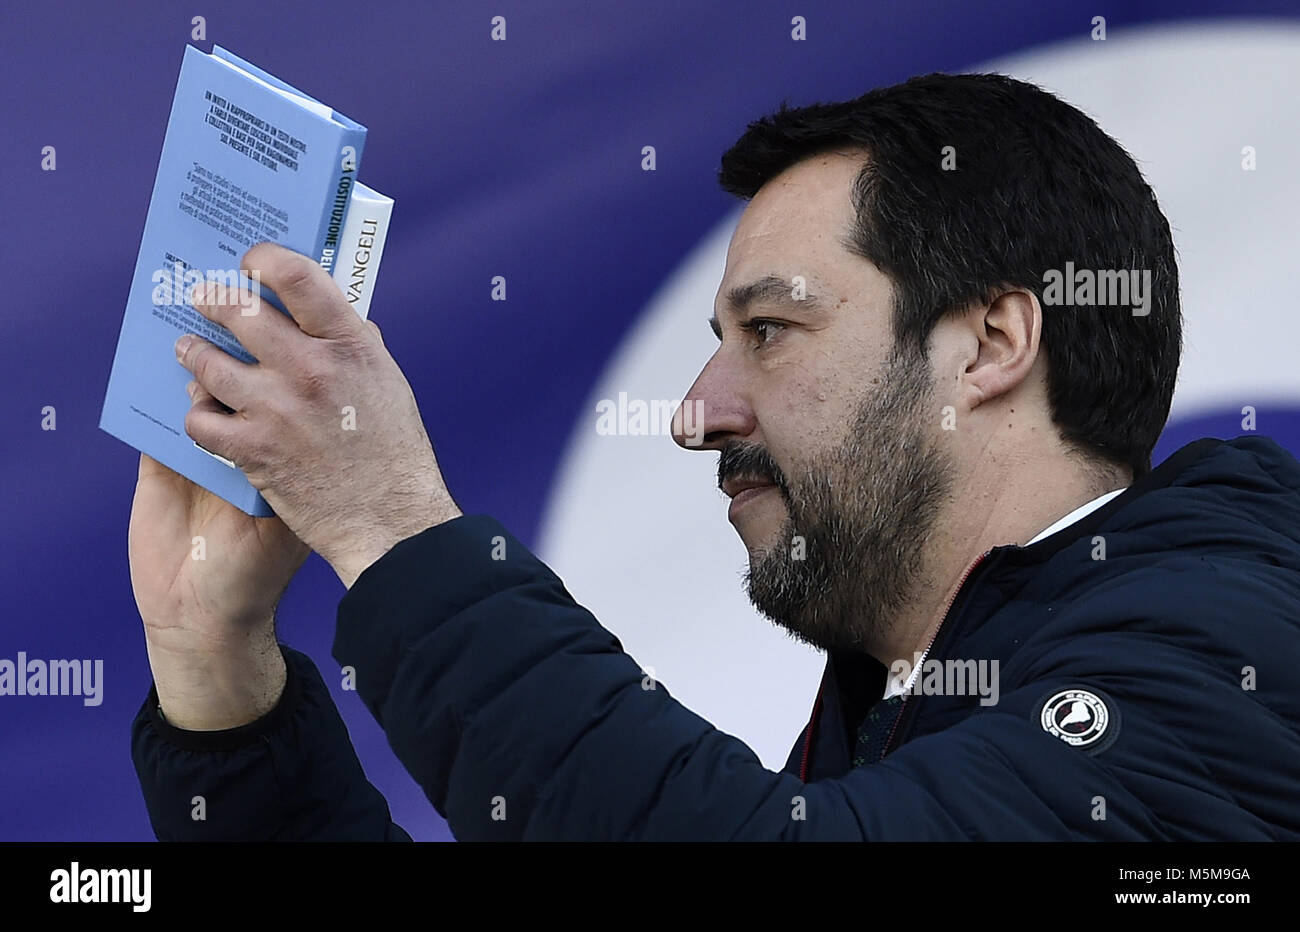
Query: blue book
point(246, 158)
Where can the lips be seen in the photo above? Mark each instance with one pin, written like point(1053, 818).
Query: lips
point(743, 491)
point(735, 487)
point(744, 496)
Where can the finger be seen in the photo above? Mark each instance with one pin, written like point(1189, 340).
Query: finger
point(210, 425)
point(200, 395)
point(260, 328)
point(379, 333)
point(151, 467)
point(307, 290)
point(224, 376)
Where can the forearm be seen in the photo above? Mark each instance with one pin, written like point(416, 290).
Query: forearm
point(522, 718)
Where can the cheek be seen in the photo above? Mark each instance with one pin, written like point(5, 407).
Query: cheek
point(809, 413)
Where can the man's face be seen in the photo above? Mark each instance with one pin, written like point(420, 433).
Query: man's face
point(823, 432)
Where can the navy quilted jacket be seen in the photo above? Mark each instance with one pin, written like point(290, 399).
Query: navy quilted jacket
point(1153, 694)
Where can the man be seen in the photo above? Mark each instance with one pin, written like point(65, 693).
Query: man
point(940, 469)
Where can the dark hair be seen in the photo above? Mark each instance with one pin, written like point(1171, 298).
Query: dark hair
point(1037, 184)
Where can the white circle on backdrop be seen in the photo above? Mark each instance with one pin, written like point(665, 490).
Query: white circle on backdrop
point(637, 528)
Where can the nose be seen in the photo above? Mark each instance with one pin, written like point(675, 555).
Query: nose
point(715, 410)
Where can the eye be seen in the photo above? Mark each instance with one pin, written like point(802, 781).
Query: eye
point(763, 329)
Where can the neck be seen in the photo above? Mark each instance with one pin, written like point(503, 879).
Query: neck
point(989, 509)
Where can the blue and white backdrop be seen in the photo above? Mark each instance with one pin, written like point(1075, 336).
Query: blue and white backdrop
point(523, 159)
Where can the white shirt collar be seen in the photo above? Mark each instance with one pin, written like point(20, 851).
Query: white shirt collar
point(1075, 515)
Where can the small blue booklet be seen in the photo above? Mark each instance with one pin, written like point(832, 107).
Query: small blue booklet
point(246, 158)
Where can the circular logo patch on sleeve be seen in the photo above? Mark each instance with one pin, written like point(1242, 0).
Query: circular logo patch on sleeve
point(1087, 719)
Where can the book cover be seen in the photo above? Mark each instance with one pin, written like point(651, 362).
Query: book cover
point(245, 158)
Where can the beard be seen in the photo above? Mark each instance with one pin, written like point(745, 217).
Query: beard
point(859, 517)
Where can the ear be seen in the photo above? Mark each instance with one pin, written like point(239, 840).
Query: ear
point(1004, 347)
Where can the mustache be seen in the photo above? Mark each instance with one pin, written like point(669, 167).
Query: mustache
point(750, 461)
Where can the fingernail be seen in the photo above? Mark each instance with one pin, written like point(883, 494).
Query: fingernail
point(182, 345)
point(189, 389)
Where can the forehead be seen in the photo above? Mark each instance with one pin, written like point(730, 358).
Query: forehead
point(797, 223)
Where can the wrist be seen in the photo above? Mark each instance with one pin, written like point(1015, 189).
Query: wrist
point(352, 559)
point(218, 686)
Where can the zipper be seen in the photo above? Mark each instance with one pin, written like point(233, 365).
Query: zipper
point(893, 732)
point(808, 737)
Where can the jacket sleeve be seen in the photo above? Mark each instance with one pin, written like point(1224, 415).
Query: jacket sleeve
point(292, 775)
point(522, 718)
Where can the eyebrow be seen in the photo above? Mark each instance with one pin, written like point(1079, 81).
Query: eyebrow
point(770, 289)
